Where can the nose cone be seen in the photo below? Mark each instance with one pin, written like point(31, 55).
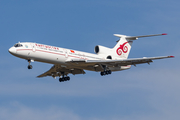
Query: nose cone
point(12, 50)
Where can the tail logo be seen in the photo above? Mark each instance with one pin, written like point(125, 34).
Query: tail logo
point(122, 48)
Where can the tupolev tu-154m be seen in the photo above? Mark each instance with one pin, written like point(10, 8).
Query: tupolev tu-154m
point(68, 61)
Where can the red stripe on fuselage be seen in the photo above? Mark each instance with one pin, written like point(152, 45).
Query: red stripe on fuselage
point(50, 52)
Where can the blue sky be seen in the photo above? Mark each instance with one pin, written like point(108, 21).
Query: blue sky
point(143, 92)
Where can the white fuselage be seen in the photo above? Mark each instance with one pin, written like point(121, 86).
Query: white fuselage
point(68, 61)
point(54, 55)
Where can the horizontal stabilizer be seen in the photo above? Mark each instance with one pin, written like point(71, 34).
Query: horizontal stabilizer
point(136, 37)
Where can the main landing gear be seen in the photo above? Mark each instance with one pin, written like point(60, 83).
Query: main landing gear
point(106, 72)
point(62, 79)
point(29, 66)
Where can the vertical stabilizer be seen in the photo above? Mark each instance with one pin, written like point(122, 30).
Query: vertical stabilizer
point(123, 47)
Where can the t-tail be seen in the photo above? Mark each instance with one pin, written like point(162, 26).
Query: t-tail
point(123, 46)
point(122, 49)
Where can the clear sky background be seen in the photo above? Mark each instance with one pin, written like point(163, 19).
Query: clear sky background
point(145, 92)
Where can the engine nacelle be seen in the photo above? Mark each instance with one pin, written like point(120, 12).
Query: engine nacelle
point(103, 51)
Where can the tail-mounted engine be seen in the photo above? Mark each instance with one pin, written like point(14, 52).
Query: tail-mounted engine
point(103, 51)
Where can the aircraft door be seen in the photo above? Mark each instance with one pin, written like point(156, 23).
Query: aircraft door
point(66, 53)
point(33, 47)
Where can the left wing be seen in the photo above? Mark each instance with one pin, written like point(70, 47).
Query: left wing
point(58, 70)
point(120, 62)
point(125, 62)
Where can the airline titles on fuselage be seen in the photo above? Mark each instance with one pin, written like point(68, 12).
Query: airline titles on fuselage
point(80, 55)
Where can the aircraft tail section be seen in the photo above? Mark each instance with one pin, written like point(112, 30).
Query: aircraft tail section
point(122, 48)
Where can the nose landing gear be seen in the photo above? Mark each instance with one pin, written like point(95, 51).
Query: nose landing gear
point(29, 66)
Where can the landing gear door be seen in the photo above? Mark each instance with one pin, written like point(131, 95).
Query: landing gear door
point(33, 47)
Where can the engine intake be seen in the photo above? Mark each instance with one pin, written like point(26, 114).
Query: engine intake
point(101, 50)
point(96, 49)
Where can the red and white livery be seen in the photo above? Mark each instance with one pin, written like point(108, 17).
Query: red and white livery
point(68, 61)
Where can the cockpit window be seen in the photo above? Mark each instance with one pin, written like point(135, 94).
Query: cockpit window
point(18, 45)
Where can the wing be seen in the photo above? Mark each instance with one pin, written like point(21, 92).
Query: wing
point(57, 70)
point(125, 62)
point(115, 63)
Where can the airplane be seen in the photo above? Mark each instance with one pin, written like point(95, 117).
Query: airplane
point(68, 61)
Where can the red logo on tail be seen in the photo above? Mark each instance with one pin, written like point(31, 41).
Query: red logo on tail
point(122, 48)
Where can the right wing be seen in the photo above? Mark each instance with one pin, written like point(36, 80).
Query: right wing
point(57, 70)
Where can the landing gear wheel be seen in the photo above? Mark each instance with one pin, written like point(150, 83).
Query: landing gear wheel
point(29, 66)
point(106, 73)
point(68, 78)
point(64, 79)
point(102, 73)
point(109, 72)
point(61, 79)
